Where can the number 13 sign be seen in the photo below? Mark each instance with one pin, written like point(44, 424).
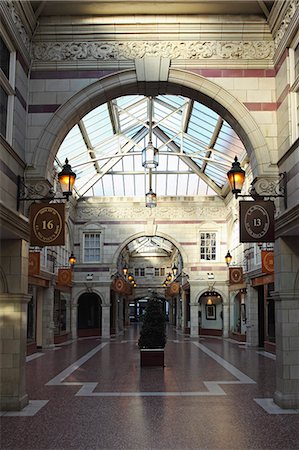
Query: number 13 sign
point(256, 221)
point(47, 224)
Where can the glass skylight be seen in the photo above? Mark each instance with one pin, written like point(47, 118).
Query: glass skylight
point(196, 148)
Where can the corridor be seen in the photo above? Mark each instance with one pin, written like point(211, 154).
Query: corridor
point(92, 394)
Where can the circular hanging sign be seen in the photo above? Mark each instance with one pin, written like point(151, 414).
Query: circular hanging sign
point(268, 261)
point(236, 275)
point(256, 221)
point(47, 224)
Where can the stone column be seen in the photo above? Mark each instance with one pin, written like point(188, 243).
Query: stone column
point(106, 321)
point(193, 312)
point(48, 318)
point(13, 333)
point(286, 296)
point(178, 313)
point(74, 318)
point(120, 319)
point(252, 333)
point(225, 314)
point(184, 312)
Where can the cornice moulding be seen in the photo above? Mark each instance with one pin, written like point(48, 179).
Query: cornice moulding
point(129, 64)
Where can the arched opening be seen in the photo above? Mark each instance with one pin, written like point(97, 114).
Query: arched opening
point(210, 314)
point(89, 315)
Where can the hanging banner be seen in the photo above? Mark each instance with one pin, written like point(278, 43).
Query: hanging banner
point(34, 263)
point(120, 286)
point(47, 224)
point(173, 289)
point(236, 275)
point(267, 261)
point(256, 221)
point(65, 277)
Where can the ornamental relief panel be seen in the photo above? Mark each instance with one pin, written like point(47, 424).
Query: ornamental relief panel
point(135, 213)
point(190, 50)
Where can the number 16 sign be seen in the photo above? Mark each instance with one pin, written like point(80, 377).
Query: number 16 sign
point(47, 224)
point(256, 221)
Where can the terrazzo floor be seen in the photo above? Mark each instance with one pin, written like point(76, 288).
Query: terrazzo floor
point(92, 394)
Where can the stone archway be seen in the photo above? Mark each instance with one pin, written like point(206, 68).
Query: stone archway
point(89, 320)
point(179, 82)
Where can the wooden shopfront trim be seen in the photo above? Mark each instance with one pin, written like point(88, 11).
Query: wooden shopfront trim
point(259, 281)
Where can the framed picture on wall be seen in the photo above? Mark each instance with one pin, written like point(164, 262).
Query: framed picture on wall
point(211, 312)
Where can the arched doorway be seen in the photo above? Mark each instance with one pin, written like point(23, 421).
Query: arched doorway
point(89, 315)
point(210, 314)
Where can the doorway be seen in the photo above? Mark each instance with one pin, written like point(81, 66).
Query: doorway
point(89, 315)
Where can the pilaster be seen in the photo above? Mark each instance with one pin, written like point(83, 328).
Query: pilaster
point(13, 328)
point(287, 349)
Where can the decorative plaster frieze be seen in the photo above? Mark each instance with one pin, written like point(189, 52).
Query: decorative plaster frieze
point(129, 50)
point(142, 212)
point(18, 23)
point(294, 5)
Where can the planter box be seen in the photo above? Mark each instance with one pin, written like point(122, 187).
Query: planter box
point(150, 357)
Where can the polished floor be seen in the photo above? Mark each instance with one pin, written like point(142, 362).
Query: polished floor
point(92, 394)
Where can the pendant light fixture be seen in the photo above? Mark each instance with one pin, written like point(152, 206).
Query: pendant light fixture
point(150, 197)
point(150, 153)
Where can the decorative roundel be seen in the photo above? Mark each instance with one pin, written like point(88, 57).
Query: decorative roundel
point(64, 276)
point(257, 221)
point(236, 275)
point(119, 285)
point(47, 224)
point(175, 288)
point(269, 261)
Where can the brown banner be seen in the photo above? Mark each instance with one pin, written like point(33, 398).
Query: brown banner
point(65, 277)
point(47, 224)
point(267, 261)
point(34, 263)
point(256, 221)
point(236, 275)
point(120, 286)
point(173, 289)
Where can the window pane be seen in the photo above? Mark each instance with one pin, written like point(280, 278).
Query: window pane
point(3, 111)
point(4, 60)
point(208, 246)
point(92, 247)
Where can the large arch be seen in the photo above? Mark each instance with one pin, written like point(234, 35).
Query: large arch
point(141, 234)
point(180, 82)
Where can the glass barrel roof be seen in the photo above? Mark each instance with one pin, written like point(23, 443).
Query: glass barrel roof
point(196, 148)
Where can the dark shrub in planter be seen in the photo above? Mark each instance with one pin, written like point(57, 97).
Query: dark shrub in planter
point(153, 332)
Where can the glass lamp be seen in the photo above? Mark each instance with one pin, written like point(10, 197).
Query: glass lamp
point(236, 177)
point(66, 179)
point(150, 153)
point(72, 259)
point(228, 258)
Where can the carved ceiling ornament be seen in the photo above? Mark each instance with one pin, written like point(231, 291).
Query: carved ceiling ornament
point(286, 22)
point(130, 50)
point(18, 23)
point(138, 212)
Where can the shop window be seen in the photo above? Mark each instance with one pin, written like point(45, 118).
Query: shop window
point(92, 246)
point(208, 246)
point(270, 313)
point(7, 81)
point(61, 313)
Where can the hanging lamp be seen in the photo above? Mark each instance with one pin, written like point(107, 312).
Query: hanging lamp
point(150, 196)
point(150, 153)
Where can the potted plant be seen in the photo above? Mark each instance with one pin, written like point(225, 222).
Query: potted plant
point(152, 338)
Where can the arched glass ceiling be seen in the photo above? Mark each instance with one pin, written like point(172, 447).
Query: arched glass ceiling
point(196, 148)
